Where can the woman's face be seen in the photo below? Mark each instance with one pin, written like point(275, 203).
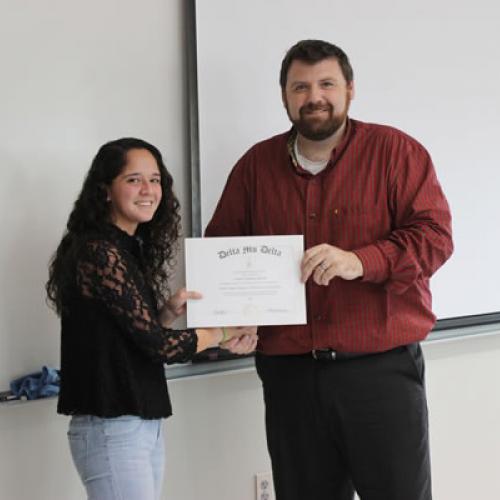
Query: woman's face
point(134, 195)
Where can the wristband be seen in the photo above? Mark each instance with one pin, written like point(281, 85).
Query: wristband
point(225, 336)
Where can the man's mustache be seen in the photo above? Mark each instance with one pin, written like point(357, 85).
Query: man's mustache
point(311, 107)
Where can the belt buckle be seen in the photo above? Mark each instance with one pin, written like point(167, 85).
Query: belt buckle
point(324, 354)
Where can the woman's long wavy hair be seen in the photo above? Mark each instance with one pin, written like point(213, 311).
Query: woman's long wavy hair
point(91, 214)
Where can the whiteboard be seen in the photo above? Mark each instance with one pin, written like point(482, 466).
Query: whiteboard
point(429, 68)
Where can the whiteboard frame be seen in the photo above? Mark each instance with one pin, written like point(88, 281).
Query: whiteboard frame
point(452, 324)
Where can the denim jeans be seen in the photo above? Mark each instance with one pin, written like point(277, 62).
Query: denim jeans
point(118, 458)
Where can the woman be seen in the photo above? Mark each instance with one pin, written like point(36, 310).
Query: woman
point(108, 283)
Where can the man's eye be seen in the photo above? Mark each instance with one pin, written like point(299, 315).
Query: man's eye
point(300, 88)
point(328, 85)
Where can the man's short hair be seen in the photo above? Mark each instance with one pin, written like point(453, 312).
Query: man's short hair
point(311, 52)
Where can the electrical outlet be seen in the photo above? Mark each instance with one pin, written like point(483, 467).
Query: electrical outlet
point(264, 489)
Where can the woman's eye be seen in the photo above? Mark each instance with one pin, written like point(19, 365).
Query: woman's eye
point(156, 180)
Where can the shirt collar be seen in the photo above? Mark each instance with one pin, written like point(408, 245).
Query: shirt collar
point(335, 153)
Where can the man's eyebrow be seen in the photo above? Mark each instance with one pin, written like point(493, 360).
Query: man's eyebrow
point(295, 82)
point(324, 79)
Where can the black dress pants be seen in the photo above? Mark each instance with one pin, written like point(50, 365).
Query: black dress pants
point(335, 427)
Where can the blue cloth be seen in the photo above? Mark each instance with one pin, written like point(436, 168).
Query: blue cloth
point(37, 385)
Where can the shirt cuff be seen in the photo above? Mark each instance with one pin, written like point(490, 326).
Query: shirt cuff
point(375, 265)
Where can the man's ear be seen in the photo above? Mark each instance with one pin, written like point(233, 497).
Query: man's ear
point(283, 97)
point(351, 90)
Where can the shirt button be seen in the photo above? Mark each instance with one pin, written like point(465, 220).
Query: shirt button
point(319, 317)
point(336, 211)
point(312, 215)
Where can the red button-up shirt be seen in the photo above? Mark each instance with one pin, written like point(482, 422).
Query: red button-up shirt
point(379, 197)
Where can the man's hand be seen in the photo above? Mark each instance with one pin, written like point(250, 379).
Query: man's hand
point(176, 306)
point(324, 262)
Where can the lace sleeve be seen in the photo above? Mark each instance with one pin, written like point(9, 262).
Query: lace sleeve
point(103, 275)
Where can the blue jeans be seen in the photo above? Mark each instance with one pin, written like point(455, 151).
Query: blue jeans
point(118, 458)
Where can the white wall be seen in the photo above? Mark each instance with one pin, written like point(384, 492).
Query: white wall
point(216, 441)
point(55, 110)
point(463, 377)
point(73, 76)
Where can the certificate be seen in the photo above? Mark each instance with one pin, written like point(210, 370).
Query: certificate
point(251, 280)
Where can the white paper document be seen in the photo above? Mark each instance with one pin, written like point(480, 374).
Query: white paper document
point(251, 280)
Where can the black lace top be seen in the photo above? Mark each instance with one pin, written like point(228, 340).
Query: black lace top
point(112, 346)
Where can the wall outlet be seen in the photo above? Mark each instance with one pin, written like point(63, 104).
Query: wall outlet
point(264, 488)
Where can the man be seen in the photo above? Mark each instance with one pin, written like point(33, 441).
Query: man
point(345, 398)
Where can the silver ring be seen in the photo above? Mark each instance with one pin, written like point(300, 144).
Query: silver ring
point(323, 267)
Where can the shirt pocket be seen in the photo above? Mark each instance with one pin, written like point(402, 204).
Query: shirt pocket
point(357, 225)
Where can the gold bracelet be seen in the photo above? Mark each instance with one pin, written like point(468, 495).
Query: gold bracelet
point(225, 336)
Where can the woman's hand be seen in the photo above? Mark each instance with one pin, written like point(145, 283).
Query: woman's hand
point(234, 332)
point(176, 306)
point(241, 345)
point(241, 340)
point(231, 338)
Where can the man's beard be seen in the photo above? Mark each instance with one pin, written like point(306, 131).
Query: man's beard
point(318, 129)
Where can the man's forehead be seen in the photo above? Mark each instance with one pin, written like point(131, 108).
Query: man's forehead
point(305, 69)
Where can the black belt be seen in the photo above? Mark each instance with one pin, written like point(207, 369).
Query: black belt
point(331, 355)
